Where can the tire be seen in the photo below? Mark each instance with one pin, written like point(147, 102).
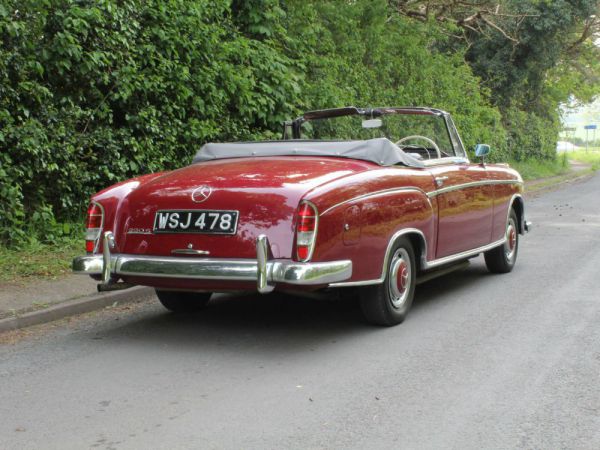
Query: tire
point(388, 303)
point(183, 302)
point(502, 259)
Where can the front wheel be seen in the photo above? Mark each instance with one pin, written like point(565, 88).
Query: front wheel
point(183, 302)
point(387, 304)
point(502, 259)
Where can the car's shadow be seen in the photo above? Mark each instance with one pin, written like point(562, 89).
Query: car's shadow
point(277, 321)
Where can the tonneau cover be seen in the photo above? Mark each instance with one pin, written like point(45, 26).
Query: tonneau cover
point(380, 151)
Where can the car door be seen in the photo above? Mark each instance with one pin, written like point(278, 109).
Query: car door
point(465, 201)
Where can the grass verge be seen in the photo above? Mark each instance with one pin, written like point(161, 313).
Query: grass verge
point(591, 157)
point(35, 260)
point(534, 169)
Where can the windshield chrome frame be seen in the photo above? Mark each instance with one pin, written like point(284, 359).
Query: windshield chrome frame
point(460, 156)
point(352, 111)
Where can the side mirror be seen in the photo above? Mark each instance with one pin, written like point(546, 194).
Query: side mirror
point(481, 151)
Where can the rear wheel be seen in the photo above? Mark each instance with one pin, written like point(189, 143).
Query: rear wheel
point(502, 259)
point(388, 303)
point(183, 302)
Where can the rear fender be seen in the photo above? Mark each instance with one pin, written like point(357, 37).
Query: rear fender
point(381, 218)
point(112, 200)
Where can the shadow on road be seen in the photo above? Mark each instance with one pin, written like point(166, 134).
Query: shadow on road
point(276, 323)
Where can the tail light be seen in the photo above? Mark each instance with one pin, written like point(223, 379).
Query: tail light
point(306, 230)
point(94, 224)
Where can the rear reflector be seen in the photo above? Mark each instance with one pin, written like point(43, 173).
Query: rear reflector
point(89, 246)
point(303, 252)
point(306, 231)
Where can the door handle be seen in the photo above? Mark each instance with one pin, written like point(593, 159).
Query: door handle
point(439, 181)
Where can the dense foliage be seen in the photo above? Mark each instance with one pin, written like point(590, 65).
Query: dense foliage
point(95, 91)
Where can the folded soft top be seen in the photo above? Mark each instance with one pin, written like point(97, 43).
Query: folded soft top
point(380, 151)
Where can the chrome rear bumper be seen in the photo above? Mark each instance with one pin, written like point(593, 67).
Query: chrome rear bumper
point(266, 273)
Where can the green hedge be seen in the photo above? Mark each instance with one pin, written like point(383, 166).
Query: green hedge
point(96, 91)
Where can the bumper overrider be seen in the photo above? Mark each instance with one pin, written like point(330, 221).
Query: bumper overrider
point(266, 273)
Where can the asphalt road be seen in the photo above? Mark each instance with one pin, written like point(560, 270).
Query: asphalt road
point(483, 361)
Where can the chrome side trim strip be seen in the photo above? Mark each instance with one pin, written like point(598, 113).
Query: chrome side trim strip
point(463, 255)
point(355, 283)
point(426, 265)
point(376, 194)
point(416, 189)
point(469, 185)
point(430, 275)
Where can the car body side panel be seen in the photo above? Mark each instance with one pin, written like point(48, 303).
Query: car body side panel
point(387, 200)
point(381, 217)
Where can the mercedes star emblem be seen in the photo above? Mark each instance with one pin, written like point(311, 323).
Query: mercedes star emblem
point(201, 193)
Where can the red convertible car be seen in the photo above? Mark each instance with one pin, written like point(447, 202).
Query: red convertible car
point(374, 199)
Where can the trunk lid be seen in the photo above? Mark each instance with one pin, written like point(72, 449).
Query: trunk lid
point(264, 191)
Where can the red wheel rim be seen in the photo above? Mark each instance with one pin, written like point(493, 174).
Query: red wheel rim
point(402, 277)
point(399, 278)
point(512, 239)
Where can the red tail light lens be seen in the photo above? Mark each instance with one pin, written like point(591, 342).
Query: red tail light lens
point(306, 231)
point(94, 224)
point(94, 216)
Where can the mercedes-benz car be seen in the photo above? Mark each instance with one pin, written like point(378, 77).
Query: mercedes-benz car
point(373, 199)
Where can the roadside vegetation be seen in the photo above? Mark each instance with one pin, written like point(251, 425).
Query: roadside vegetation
point(97, 91)
point(37, 260)
point(591, 157)
point(532, 169)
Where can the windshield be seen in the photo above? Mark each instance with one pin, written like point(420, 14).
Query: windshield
point(417, 133)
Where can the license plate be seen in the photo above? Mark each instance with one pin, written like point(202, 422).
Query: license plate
point(196, 221)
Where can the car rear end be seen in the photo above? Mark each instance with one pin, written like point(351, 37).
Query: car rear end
point(218, 226)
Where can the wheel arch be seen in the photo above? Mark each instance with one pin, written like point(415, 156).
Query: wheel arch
point(518, 205)
point(418, 241)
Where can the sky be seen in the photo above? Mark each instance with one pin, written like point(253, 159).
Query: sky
point(579, 117)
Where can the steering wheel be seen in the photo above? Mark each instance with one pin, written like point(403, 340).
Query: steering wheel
point(416, 136)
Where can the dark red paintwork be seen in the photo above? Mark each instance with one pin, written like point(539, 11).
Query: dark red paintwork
point(361, 206)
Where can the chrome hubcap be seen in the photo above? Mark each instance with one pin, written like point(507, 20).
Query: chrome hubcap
point(511, 240)
point(399, 278)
